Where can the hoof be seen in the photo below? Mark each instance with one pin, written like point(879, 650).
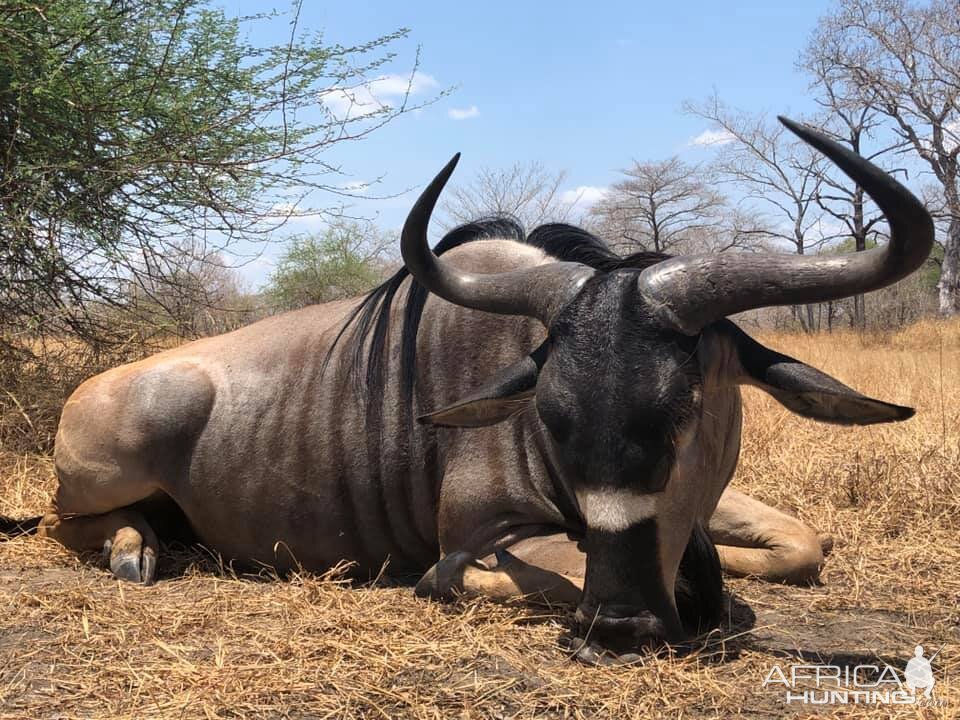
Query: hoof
point(126, 566)
point(442, 580)
point(148, 566)
point(134, 566)
point(130, 558)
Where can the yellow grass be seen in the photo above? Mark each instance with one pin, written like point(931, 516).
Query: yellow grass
point(203, 643)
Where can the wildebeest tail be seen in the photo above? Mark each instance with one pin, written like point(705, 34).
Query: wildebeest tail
point(699, 590)
point(11, 528)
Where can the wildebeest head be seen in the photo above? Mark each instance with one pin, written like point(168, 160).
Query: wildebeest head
point(632, 359)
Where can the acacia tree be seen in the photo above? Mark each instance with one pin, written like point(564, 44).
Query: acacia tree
point(657, 206)
point(347, 259)
point(778, 174)
point(903, 60)
point(131, 128)
point(527, 191)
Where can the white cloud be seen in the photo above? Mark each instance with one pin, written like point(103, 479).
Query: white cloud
point(284, 209)
point(951, 136)
point(463, 113)
point(583, 197)
point(293, 215)
point(712, 137)
point(358, 187)
point(378, 95)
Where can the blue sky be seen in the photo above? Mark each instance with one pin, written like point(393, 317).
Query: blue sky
point(581, 88)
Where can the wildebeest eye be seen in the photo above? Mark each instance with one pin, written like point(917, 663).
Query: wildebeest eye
point(696, 394)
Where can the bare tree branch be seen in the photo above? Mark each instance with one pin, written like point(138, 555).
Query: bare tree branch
point(526, 191)
point(901, 60)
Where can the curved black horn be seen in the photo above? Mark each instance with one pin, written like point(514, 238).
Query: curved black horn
point(539, 292)
point(693, 291)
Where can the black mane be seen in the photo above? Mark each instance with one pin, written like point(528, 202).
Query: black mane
point(367, 327)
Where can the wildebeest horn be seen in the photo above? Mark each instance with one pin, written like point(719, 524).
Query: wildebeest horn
point(539, 292)
point(692, 291)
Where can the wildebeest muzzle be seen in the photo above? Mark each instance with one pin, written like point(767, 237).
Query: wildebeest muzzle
point(631, 605)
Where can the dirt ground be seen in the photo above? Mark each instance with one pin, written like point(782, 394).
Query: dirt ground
point(206, 643)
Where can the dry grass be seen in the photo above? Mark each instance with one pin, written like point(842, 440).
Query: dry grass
point(202, 643)
point(37, 375)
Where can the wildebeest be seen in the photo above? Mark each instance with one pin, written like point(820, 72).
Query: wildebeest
point(579, 422)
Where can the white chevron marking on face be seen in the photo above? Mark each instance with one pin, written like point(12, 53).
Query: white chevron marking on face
point(615, 509)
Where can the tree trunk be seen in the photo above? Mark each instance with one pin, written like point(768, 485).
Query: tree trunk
point(950, 270)
point(860, 238)
point(859, 313)
point(797, 312)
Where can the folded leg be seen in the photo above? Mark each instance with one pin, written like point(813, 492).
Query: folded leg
point(754, 539)
point(550, 568)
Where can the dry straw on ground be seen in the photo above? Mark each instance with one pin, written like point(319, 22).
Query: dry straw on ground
point(202, 643)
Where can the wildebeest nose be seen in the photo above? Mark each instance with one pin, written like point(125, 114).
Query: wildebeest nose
point(618, 636)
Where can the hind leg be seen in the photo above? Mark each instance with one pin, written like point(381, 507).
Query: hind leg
point(124, 535)
point(91, 512)
point(97, 482)
point(754, 539)
point(123, 436)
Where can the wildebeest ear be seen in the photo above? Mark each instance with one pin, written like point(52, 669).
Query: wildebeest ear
point(804, 389)
point(506, 394)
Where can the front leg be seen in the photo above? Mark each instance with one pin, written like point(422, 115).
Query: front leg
point(754, 539)
point(549, 568)
point(494, 496)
